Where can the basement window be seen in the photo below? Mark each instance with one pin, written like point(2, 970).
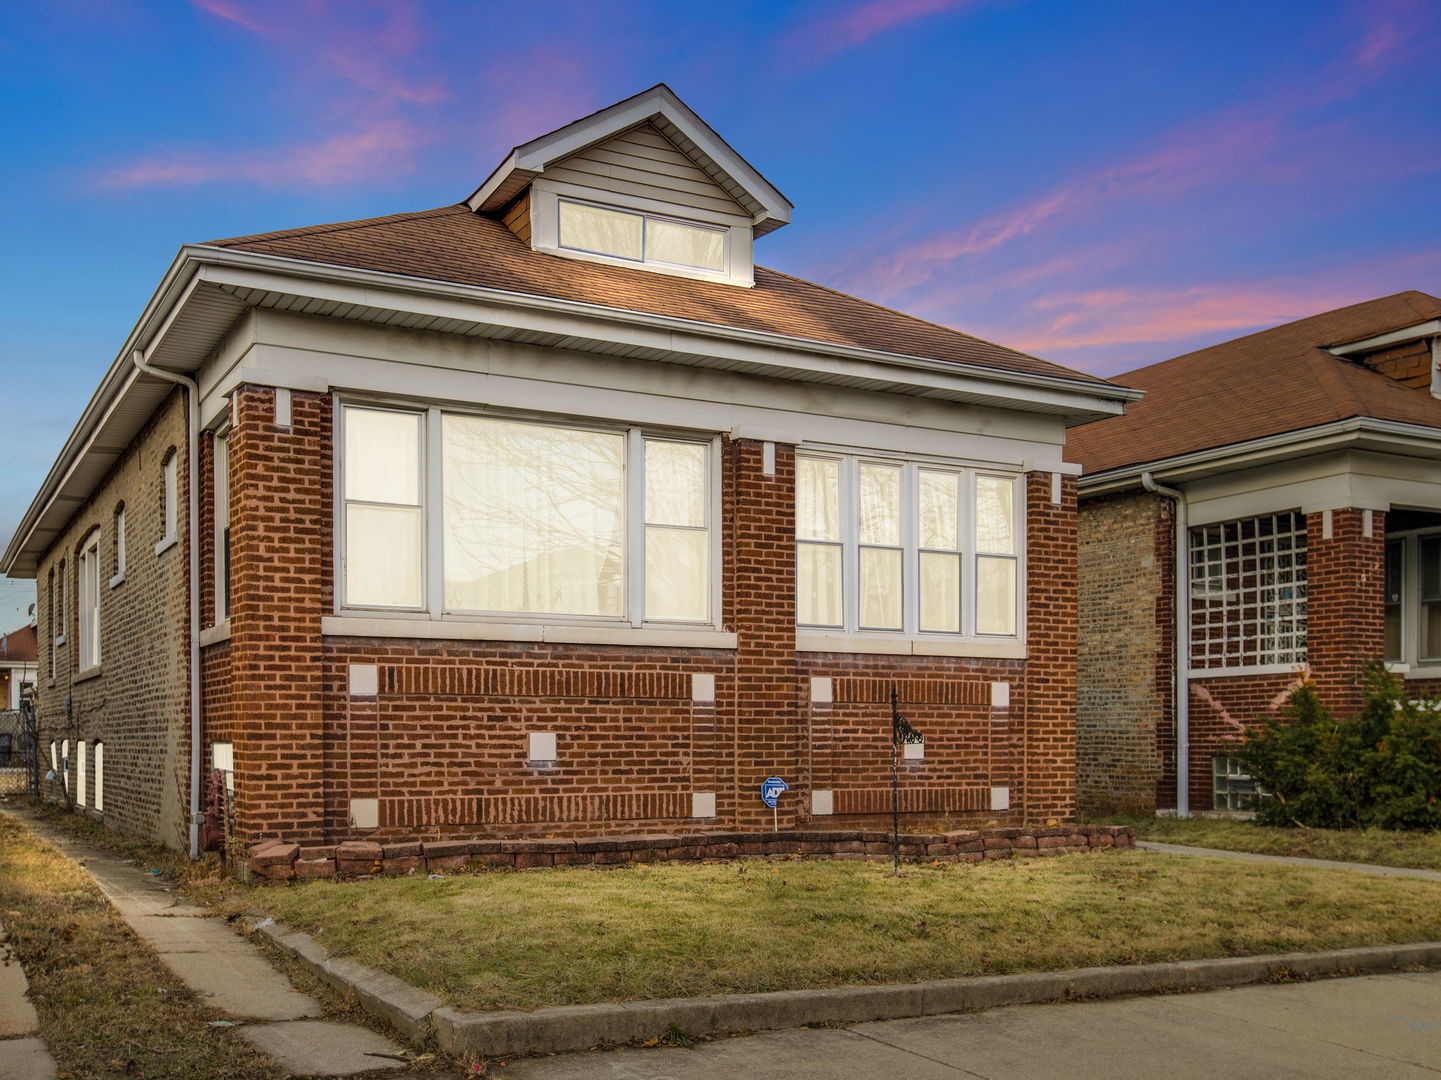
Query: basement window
point(639, 237)
point(99, 777)
point(80, 773)
point(1232, 789)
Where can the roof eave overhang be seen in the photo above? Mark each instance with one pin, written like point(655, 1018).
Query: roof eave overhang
point(206, 289)
point(1405, 335)
point(769, 209)
point(1357, 433)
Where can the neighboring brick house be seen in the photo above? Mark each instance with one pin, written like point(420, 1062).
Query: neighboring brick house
point(18, 660)
point(1306, 461)
point(550, 512)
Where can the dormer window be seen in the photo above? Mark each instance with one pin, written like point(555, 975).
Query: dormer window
point(640, 237)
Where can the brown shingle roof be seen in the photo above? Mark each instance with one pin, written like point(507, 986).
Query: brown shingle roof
point(1266, 383)
point(453, 244)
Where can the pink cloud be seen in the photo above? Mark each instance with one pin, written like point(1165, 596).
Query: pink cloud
point(837, 30)
point(230, 12)
point(383, 149)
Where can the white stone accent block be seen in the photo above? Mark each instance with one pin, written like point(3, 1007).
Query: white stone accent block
point(822, 803)
point(702, 688)
point(282, 407)
point(364, 680)
point(542, 746)
point(1000, 798)
point(702, 804)
point(1000, 695)
point(913, 751)
point(365, 813)
point(768, 458)
point(822, 690)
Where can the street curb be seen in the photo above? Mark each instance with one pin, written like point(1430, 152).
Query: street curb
point(557, 1029)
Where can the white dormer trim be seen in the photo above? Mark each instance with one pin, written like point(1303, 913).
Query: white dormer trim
point(1382, 341)
point(660, 106)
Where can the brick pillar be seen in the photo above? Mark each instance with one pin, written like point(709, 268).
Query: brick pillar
point(1345, 600)
point(766, 732)
point(280, 528)
point(1050, 683)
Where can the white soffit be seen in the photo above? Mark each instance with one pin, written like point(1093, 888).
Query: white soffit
point(660, 106)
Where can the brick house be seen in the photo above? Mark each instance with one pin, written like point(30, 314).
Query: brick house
point(551, 512)
point(1296, 471)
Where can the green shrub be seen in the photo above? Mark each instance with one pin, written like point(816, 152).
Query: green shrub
point(1380, 769)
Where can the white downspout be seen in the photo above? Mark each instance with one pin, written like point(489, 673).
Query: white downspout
point(1183, 646)
point(193, 528)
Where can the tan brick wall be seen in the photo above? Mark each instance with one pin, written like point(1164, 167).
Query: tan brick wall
point(137, 703)
point(443, 745)
point(1122, 684)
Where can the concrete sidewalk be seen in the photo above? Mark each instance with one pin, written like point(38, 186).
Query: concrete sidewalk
point(1381, 1026)
point(23, 1056)
point(1290, 860)
point(228, 972)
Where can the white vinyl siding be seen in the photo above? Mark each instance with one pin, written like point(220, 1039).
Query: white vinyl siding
point(524, 518)
point(887, 546)
point(644, 162)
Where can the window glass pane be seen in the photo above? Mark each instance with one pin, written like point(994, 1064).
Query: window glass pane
point(1431, 631)
point(880, 588)
point(818, 499)
point(668, 241)
point(675, 483)
point(940, 592)
point(939, 492)
point(534, 518)
point(995, 513)
point(1395, 552)
point(818, 584)
point(1431, 567)
point(995, 596)
point(607, 232)
point(382, 456)
point(676, 573)
point(382, 556)
point(880, 504)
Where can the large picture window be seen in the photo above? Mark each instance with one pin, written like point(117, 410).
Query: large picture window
point(1413, 591)
point(1248, 592)
point(454, 513)
point(905, 547)
point(625, 234)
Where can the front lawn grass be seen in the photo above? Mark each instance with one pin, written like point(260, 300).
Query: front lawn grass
point(564, 936)
point(107, 1006)
point(1421, 850)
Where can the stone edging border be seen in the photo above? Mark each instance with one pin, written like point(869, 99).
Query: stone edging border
point(276, 860)
point(416, 1013)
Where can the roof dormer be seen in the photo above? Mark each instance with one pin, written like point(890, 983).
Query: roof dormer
point(644, 183)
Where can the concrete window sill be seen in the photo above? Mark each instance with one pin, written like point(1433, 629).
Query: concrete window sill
point(900, 645)
point(444, 630)
point(118, 579)
point(214, 635)
point(90, 673)
point(166, 544)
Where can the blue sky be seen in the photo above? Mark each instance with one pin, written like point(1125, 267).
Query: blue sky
point(1103, 184)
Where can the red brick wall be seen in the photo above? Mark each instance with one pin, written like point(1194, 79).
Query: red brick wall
point(443, 746)
point(1345, 601)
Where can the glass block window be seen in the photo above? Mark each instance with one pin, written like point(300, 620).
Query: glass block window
point(1231, 789)
point(1248, 592)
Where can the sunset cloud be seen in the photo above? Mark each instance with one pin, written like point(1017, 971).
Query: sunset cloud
point(841, 27)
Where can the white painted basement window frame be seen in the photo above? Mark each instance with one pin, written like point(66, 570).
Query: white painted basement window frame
point(913, 548)
point(87, 573)
point(638, 523)
point(99, 766)
point(1228, 595)
point(80, 773)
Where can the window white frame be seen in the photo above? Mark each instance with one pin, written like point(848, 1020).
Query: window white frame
point(119, 575)
point(87, 570)
point(646, 217)
point(911, 469)
point(80, 773)
point(221, 487)
point(169, 501)
point(1411, 602)
point(432, 504)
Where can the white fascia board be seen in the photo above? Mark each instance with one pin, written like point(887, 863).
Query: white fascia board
point(1359, 432)
point(545, 314)
point(530, 159)
point(1395, 337)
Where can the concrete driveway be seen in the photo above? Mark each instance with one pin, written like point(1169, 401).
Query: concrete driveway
point(1375, 1026)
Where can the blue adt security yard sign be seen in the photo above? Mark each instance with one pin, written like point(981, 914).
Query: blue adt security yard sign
point(771, 790)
